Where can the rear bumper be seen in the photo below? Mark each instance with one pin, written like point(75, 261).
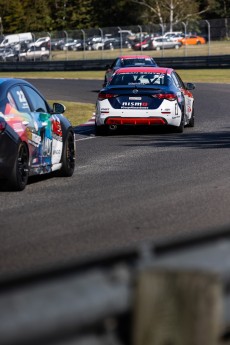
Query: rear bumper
point(136, 121)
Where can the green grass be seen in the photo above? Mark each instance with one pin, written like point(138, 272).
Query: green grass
point(79, 113)
point(206, 75)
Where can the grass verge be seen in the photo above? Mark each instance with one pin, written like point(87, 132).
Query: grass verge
point(77, 113)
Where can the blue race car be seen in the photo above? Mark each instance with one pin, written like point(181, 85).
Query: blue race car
point(34, 139)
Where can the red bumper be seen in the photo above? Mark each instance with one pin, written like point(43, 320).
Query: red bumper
point(138, 121)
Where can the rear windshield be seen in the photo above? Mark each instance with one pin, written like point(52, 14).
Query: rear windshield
point(144, 78)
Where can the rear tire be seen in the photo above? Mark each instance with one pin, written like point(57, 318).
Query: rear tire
point(20, 173)
point(68, 156)
point(180, 128)
point(192, 120)
point(101, 130)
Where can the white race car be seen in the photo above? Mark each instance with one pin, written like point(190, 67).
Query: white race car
point(145, 96)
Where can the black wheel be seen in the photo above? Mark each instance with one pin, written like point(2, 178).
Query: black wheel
point(20, 173)
point(192, 120)
point(101, 130)
point(68, 156)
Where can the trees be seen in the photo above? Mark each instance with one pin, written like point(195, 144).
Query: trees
point(37, 15)
point(173, 11)
point(109, 13)
point(223, 10)
point(54, 15)
point(11, 13)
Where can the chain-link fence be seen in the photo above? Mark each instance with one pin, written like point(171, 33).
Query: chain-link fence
point(203, 38)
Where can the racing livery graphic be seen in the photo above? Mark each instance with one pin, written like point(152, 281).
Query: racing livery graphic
point(34, 139)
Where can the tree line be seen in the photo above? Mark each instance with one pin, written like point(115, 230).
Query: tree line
point(56, 15)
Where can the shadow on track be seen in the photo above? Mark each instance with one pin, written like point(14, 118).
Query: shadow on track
point(201, 140)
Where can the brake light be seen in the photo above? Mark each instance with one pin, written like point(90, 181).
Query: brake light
point(103, 96)
point(168, 96)
point(2, 126)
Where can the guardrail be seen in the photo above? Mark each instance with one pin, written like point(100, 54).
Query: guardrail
point(164, 293)
point(214, 61)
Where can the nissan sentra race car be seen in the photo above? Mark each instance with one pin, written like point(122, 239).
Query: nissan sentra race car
point(145, 96)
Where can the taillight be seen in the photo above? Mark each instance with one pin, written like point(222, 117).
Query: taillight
point(2, 126)
point(168, 96)
point(103, 96)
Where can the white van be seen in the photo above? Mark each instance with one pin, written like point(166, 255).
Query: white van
point(16, 38)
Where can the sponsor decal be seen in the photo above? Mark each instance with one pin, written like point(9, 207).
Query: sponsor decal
point(17, 127)
point(47, 143)
point(57, 137)
point(56, 151)
point(56, 127)
point(33, 138)
point(35, 126)
point(133, 105)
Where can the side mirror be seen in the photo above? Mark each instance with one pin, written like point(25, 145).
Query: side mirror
point(190, 86)
point(58, 108)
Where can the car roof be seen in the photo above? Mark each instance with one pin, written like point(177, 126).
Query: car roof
point(135, 57)
point(144, 69)
point(5, 83)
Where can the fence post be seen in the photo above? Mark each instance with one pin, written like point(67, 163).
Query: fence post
point(209, 36)
point(177, 308)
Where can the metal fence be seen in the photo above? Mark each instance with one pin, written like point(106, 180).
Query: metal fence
point(108, 42)
point(171, 292)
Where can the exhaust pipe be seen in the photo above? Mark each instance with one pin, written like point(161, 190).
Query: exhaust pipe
point(113, 127)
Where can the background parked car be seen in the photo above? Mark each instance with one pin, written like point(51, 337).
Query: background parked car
point(57, 43)
point(159, 43)
point(42, 42)
point(69, 43)
point(112, 43)
point(8, 54)
point(174, 35)
point(156, 43)
point(35, 53)
point(143, 44)
point(193, 39)
point(79, 45)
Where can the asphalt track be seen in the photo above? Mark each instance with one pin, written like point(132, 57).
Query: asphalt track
point(127, 189)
